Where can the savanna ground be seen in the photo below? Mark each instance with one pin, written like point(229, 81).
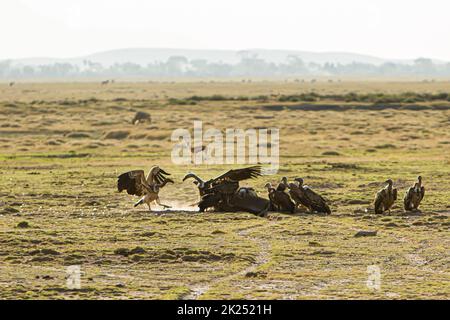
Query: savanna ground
point(63, 146)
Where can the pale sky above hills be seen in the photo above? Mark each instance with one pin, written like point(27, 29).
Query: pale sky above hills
point(403, 29)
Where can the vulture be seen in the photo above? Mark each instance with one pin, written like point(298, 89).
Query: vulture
point(280, 200)
point(135, 183)
point(305, 196)
point(385, 198)
point(227, 182)
point(298, 195)
point(224, 194)
point(414, 195)
point(283, 184)
point(271, 190)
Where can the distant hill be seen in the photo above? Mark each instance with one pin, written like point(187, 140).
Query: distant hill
point(144, 56)
point(160, 63)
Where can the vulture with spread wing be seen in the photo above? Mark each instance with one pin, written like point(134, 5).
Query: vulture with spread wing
point(305, 196)
point(135, 183)
point(224, 194)
point(414, 195)
point(385, 198)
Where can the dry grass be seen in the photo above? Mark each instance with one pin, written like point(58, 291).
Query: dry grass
point(63, 146)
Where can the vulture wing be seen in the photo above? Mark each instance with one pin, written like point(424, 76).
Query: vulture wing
point(408, 198)
point(299, 196)
point(134, 182)
point(158, 176)
point(240, 174)
point(284, 202)
point(161, 177)
point(317, 202)
point(379, 201)
point(422, 193)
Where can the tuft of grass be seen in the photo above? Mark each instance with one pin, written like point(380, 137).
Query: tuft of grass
point(23, 225)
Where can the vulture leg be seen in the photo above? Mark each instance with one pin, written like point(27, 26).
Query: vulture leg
point(139, 202)
point(162, 205)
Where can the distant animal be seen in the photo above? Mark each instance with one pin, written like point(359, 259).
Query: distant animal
point(135, 183)
point(414, 195)
point(12, 84)
point(385, 198)
point(105, 82)
point(280, 200)
point(141, 117)
point(305, 196)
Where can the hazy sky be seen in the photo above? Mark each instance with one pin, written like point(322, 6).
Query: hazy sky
point(385, 28)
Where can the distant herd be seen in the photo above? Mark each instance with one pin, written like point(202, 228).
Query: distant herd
point(224, 194)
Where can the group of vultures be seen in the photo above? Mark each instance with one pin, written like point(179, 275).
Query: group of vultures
point(224, 194)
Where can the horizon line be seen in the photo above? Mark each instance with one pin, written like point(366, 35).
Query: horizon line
point(224, 50)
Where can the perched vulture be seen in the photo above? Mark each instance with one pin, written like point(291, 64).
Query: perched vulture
point(135, 183)
point(385, 198)
point(307, 197)
point(280, 200)
point(271, 192)
point(283, 184)
point(414, 195)
point(298, 195)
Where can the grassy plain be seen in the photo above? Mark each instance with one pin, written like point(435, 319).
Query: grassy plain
point(64, 144)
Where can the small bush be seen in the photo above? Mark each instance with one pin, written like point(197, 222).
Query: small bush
point(23, 225)
point(117, 135)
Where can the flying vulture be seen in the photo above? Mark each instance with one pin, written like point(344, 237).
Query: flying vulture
point(135, 183)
